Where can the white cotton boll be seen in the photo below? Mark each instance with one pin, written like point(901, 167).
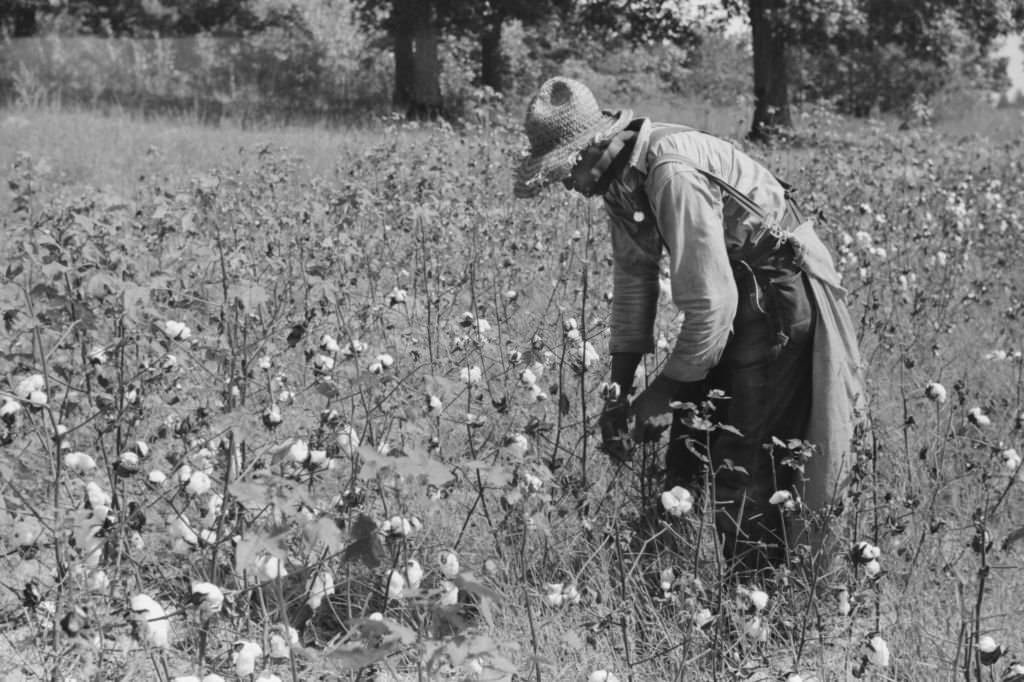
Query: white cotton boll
point(179, 528)
point(434, 406)
point(449, 593)
point(317, 458)
point(872, 568)
point(269, 567)
point(396, 585)
point(329, 344)
point(702, 617)
point(34, 383)
point(602, 675)
point(470, 375)
point(79, 463)
point(323, 363)
point(177, 331)
point(935, 392)
point(978, 417)
point(571, 594)
point(677, 501)
point(413, 574)
point(156, 478)
point(553, 594)
point(758, 599)
point(877, 651)
point(183, 474)
point(281, 642)
point(97, 581)
point(321, 586)
point(781, 497)
point(245, 656)
point(666, 579)
point(516, 445)
point(449, 563)
point(298, 451)
point(756, 629)
point(844, 606)
point(527, 377)
point(348, 440)
point(96, 496)
point(9, 408)
point(209, 597)
point(1011, 460)
point(212, 677)
point(151, 623)
point(199, 483)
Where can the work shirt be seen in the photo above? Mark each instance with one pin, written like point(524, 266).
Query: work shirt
point(671, 205)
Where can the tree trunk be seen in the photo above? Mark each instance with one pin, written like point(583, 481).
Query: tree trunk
point(402, 24)
point(492, 62)
point(771, 82)
point(426, 92)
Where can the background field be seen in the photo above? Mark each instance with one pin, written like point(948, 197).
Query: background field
point(263, 240)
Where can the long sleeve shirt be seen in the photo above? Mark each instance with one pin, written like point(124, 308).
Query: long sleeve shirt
point(671, 206)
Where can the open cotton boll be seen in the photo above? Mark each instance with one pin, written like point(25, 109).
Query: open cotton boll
point(34, 383)
point(876, 651)
point(449, 562)
point(602, 676)
point(150, 621)
point(209, 598)
point(677, 501)
point(269, 567)
point(79, 463)
point(396, 585)
point(413, 574)
point(322, 585)
point(245, 656)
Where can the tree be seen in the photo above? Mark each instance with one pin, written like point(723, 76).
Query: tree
point(412, 27)
point(771, 77)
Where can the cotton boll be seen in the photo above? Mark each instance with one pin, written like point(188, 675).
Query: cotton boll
point(245, 656)
point(79, 463)
point(209, 598)
point(151, 625)
point(449, 593)
point(322, 585)
point(396, 585)
point(413, 574)
point(677, 501)
point(199, 483)
point(876, 651)
point(449, 563)
point(602, 676)
point(269, 567)
point(96, 497)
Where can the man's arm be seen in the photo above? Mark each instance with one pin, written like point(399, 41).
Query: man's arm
point(688, 210)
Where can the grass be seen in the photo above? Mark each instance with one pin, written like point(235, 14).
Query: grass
point(262, 241)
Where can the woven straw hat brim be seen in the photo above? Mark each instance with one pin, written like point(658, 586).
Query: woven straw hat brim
point(535, 172)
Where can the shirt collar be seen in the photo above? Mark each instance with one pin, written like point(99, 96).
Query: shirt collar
point(638, 159)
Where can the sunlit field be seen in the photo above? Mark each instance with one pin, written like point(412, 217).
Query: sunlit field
point(320, 404)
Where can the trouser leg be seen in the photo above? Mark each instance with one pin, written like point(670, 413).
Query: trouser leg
point(766, 374)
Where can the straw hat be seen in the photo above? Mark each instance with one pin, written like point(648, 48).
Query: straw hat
point(563, 119)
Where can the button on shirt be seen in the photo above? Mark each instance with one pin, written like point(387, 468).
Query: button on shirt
point(670, 205)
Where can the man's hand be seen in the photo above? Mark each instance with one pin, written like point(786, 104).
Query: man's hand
point(651, 408)
point(614, 423)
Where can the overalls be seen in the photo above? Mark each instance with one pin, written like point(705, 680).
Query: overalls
point(765, 376)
